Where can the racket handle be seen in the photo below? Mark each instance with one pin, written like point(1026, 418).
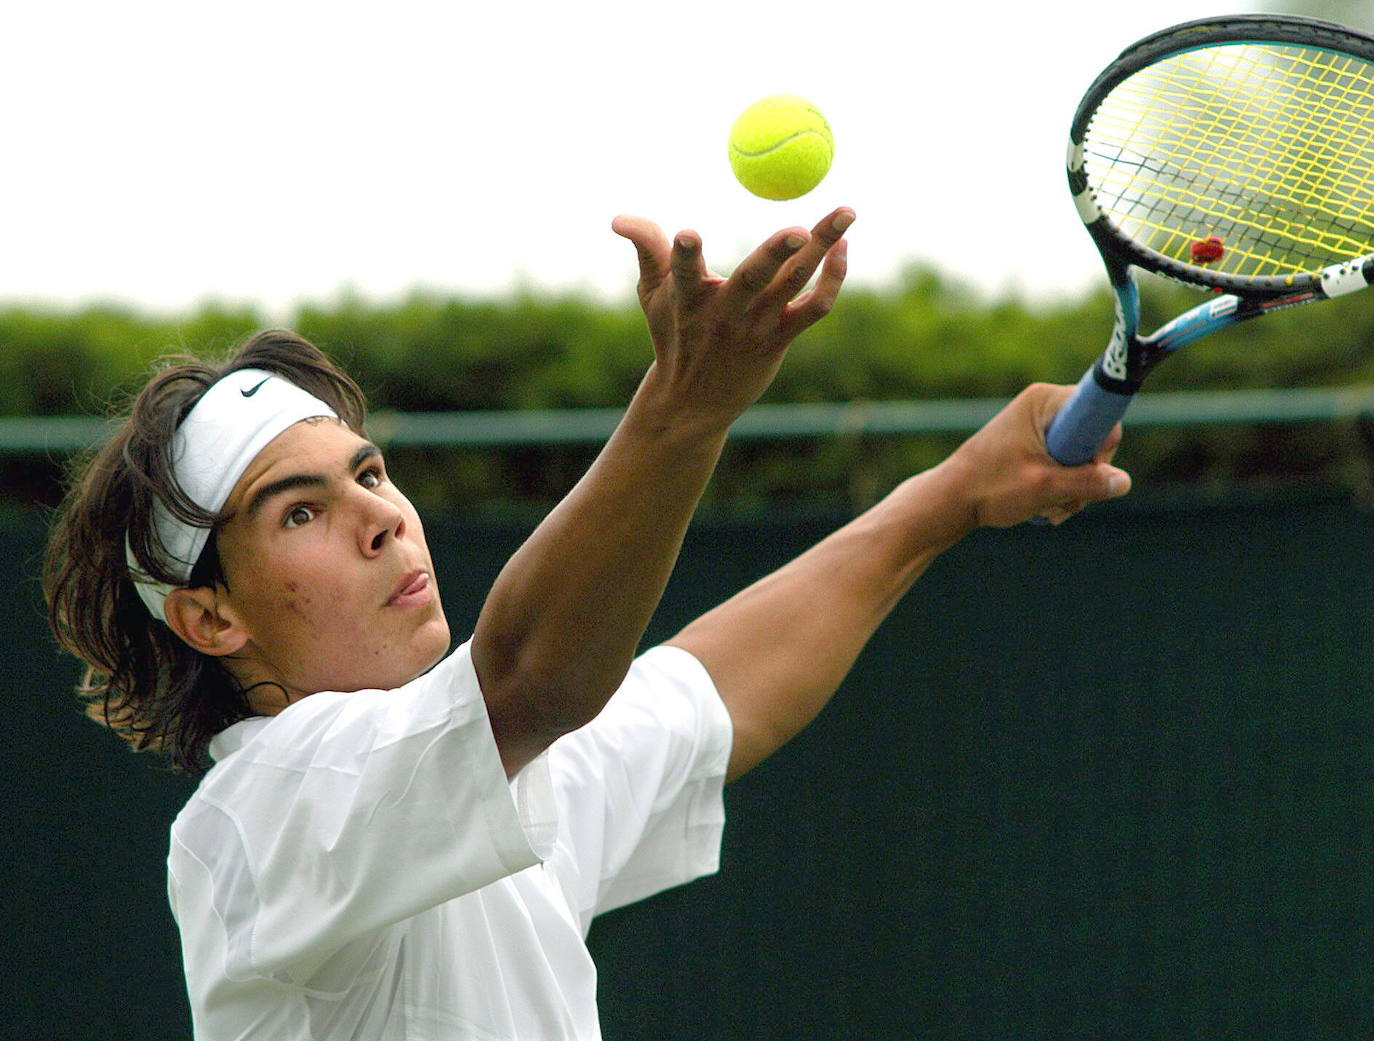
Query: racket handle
point(1079, 428)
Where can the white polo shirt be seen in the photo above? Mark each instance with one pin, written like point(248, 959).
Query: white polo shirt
point(358, 867)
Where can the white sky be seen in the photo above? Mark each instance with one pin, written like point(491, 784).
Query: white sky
point(162, 153)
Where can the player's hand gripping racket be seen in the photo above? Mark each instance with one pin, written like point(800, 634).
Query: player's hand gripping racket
point(1235, 154)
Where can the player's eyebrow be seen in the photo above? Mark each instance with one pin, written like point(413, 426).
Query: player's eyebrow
point(292, 482)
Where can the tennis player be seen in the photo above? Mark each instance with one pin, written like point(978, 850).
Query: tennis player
point(393, 842)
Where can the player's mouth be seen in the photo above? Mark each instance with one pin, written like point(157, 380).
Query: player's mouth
point(415, 590)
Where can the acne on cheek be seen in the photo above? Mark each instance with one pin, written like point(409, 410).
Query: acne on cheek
point(290, 600)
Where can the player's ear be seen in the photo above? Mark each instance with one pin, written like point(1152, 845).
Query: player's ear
point(197, 616)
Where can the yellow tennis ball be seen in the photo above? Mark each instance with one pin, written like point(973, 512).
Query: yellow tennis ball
point(781, 147)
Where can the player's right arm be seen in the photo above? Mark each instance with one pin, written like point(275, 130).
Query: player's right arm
point(563, 620)
point(779, 649)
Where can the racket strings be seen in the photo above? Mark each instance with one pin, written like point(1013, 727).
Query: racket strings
point(1270, 147)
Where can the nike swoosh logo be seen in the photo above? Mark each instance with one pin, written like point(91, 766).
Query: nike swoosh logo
point(250, 393)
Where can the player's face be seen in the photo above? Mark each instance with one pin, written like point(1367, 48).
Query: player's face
point(327, 568)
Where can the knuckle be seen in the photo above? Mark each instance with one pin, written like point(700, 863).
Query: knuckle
point(796, 279)
point(752, 280)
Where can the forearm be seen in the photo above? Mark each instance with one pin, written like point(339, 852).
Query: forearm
point(778, 650)
point(781, 648)
point(565, 616)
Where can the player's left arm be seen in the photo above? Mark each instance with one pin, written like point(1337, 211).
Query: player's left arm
point(564, 618)
point(778, 650)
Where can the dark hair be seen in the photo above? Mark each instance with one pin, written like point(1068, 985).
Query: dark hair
point(141, 680)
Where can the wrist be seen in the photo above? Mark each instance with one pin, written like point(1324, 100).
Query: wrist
point(947, 499)
point(659, 411)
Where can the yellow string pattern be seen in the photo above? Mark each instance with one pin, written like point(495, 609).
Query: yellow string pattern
point(1268, 146)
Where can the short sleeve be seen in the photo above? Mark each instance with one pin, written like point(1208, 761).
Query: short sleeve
point(349, 812)
point(639, 790)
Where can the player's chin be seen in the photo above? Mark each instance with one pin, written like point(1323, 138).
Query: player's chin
point(395, 656)
point(430, 642)
point(393, 665)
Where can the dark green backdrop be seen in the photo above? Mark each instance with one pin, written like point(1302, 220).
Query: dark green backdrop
point(1111, 780)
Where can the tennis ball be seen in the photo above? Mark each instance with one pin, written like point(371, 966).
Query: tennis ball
point(781, 147)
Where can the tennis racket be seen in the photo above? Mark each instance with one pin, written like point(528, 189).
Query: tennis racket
point(1234, 154)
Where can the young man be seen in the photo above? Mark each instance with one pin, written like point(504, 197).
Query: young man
point(390, 848)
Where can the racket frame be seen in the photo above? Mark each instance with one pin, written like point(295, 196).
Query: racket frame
point(1106, 389)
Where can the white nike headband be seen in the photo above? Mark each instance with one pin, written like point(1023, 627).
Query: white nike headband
point(232, 422)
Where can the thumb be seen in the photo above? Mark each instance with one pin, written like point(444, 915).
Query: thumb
point(650, 244)
point(1098, 481)
point(1080, 485)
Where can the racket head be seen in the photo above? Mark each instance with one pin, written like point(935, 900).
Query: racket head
point(1232, 153)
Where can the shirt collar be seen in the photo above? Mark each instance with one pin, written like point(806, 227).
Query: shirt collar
point(232, 738)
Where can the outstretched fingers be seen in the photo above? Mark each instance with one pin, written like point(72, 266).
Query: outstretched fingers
point(682, 263)
point(819, 249)
point(779, 270)
point(817, 302)
point(651, 246)
point(758, 271)
point(690, 275)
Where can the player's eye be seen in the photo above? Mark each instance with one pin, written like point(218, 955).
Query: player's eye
point(371, 477)
point(298, 515)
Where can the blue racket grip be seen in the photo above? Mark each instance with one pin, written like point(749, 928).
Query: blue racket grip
point(1079, 428)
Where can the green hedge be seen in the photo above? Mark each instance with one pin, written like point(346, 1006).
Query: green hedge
point(920, 337)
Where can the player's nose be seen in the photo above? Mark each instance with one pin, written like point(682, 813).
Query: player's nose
point(380, 522)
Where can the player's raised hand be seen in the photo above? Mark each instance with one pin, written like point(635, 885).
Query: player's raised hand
point(718, 342)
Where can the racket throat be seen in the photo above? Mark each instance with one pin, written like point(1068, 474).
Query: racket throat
point(1104, 379)
point(1126, 360)
point(1130, 357)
